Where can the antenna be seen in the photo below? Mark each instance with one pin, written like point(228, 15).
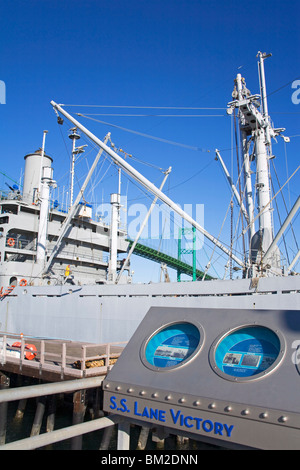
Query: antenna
point(42, 158)
point(75, 151)
point(262, 80)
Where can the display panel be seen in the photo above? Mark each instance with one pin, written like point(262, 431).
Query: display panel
point(172, 345)
point(246, 352)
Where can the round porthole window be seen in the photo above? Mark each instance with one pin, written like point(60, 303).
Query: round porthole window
point(172, 345)
point(247, 352)
point(296, 355)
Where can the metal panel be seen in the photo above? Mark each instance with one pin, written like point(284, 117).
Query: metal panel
point(119, 309)
point(261, 410)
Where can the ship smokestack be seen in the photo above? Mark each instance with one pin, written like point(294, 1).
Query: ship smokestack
point(32, 174)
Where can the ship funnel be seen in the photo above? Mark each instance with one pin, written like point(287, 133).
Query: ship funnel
point(32, 174)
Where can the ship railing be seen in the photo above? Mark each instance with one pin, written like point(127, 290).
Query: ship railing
point(18, 242)
point(10, 196)
point(57, 358)
point(76, 255)
point(3, 195)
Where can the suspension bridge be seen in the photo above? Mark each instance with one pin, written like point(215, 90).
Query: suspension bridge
point(180, 266)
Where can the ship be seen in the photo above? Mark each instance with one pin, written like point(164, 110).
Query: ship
point(60, 272)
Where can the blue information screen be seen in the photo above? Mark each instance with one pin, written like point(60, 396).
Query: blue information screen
point(172, 345)
point(247, 351)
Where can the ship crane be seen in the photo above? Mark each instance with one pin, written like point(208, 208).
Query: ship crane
point(146, 183)
point(256, 130)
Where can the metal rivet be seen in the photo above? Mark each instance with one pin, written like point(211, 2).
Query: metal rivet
point(118, 387)
point(155, 395)
point(182, 400)
point(107, 385)
point(228, 408)
point(283, 419)
point(212, 406)
point(168, 397)
point(264, 415)
point(142, 392)
point(245, 412)
point(130, 390)
point(197, 403)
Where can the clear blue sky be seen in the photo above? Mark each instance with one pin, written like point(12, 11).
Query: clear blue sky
point(138, 53)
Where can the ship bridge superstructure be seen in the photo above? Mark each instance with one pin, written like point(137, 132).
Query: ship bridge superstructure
point(83, 255)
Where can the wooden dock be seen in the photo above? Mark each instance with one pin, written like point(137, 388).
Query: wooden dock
point(56, 360)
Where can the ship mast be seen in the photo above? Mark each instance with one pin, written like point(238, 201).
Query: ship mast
point(74, 136)
point(263, 153)
point(256, 130)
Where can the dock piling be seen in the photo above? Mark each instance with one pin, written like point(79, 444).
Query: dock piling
point(38, 418)
point(143, 437)
point(107, 435)
point(158, 436)
point(79, 409)
point(21, 409)
point(4, 383)
point(51, 413)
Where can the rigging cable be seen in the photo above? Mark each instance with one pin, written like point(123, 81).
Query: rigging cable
point(240, 189)
point(279, 218)
point(291, 225)
point(199, 149)
point(153, 115)
point(275, 195)
point(140, 107)
point(134, 158)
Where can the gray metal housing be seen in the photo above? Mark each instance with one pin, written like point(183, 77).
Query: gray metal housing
point(263, 412)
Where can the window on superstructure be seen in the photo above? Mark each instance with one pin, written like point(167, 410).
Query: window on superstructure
point(10, 209)
point(13, 281)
